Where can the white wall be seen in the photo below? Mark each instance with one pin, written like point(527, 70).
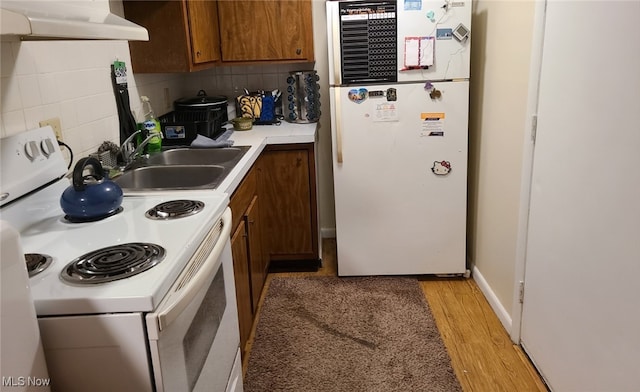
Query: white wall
point(325, 163)
point(501, 55)
point(66, 79)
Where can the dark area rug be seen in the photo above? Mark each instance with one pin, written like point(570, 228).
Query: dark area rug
point(348, 334)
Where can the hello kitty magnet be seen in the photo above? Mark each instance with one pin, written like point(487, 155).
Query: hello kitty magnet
point(441, 168)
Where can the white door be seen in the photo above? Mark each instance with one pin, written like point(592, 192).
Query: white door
point(394, 214)
point(581, 311)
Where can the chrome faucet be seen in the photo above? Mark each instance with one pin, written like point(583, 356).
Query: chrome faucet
point(129, 153)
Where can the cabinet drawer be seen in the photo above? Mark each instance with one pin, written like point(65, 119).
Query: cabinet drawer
point(242, 197)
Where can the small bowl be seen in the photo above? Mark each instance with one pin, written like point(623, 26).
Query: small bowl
point(242, 123)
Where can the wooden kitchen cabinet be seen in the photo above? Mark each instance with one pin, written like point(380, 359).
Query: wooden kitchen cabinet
point(191, 35)
point(274, 219)
point(258, 262)
point(287, 183)
point(241, 276)
point(273, 30)
point(183, 35)
point(250, 264)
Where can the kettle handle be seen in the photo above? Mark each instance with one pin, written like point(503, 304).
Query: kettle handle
point(78, 170)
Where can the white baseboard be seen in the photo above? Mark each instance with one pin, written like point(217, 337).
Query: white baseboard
point(491, 297)
point(328, 232)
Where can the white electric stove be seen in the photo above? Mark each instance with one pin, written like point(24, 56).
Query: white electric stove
point(44, 230)
point(181, 280)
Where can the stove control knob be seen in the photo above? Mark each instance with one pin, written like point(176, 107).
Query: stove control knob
point(47, 147)
point(31, 150)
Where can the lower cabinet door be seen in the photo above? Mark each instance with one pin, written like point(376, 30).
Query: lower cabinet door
point(288, 198)
point(243, 289)
point(257, 259)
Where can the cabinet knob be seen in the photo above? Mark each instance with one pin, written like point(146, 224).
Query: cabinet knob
point(198, 53)
point(298, 51)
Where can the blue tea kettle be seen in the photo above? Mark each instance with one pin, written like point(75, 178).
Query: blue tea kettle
point(90, 197)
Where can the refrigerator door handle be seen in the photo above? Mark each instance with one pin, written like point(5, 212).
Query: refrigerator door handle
point(334, 14)
point(338, 123)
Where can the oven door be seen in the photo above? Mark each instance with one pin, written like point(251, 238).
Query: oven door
point(194, 334)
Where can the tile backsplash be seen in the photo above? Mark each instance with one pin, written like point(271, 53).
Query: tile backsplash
point(71, 80)
point(65, 79)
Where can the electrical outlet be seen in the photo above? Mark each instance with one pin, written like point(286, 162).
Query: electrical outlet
point(55, 124)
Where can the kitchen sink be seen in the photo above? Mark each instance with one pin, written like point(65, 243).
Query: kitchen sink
point(198, 156)
point(181, 168)
point(169, 177)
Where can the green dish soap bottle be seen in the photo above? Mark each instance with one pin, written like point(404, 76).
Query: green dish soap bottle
point(151, 126)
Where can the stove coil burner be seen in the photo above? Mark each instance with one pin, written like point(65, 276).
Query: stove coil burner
point(175, 209)
point(76, 219)
point(113, 263)
point(37, 262)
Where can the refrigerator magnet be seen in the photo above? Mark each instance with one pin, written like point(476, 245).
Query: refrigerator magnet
point(434, 93)
point(392, 94)
point(444, 33)
point(441, 168)
point(358, 95)
point(412, 5)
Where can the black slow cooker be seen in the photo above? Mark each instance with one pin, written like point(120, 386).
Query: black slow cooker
point(203, 114)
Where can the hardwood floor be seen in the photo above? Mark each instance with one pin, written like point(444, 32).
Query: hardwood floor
point(481, 351)
point(482, 355)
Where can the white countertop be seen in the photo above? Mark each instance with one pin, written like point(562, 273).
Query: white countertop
point(259, 137)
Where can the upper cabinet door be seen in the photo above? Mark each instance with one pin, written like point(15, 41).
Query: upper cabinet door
point(183, 35)
point(266, 30)
point(203, 27)
point(191, 35)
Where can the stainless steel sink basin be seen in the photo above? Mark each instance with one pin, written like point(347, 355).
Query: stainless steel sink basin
point(181, 168)
point(170, 177)
point(198, 156)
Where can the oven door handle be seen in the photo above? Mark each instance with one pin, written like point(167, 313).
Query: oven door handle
point(180, 297)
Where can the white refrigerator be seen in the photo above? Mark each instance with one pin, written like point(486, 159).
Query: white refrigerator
point(399, 93)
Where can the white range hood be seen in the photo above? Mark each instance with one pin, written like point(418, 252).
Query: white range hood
point(47, 19)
